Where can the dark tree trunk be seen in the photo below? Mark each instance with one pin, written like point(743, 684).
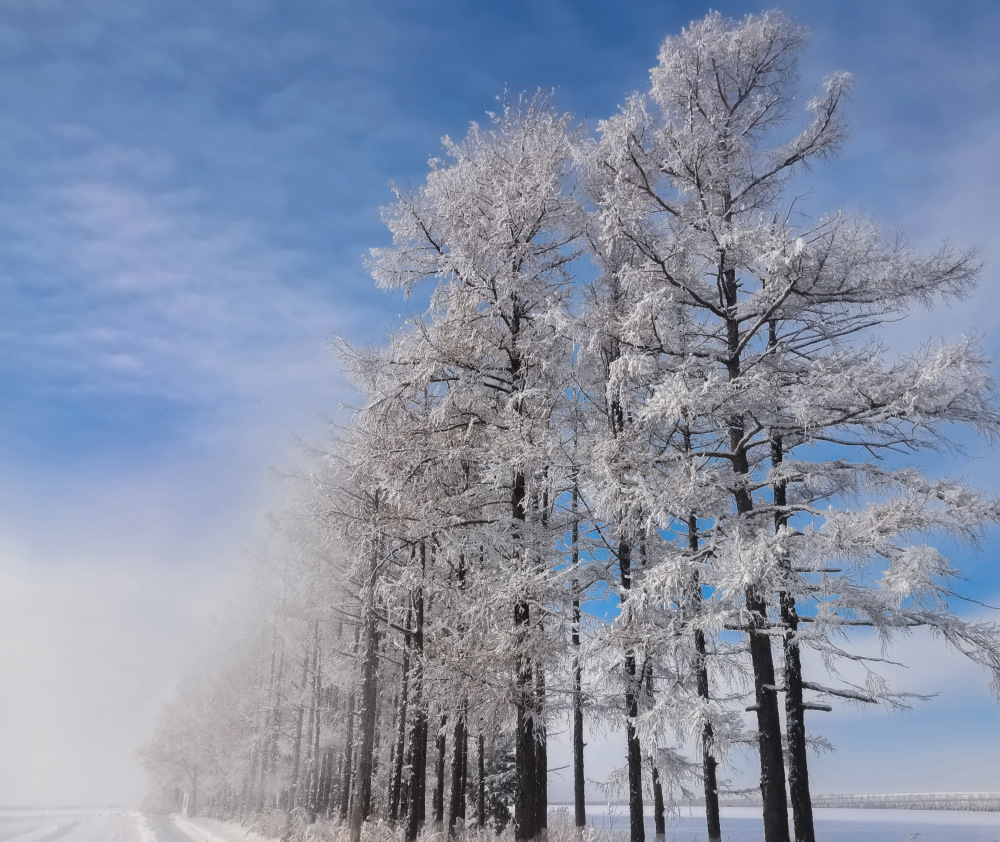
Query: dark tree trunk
point(361, 801)
point(418, 730)
point(481, 785)
point(637, 829)
point(795, 725)
point(541, 758)
point(404, 786)
point(325, 783)
point(463, 806)
point(317, 709)
point(346, 780)
point(772, 768)
point(396, 780)
point(296, 754)
point(525, 755)
point(456, 805)
point(772, 764)
point(579, 782)
point(798, 768)
point(294, 784)
point(658, 818)
point(376, 755)
point(441, 746)
point(709, 763)
point(303, 792)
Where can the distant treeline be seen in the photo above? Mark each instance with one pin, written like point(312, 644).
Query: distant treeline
point(988, 802)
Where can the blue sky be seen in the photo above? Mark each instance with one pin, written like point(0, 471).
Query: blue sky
point(186, 190)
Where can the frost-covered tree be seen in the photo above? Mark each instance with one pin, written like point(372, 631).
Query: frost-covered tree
point(494, 227)
point(759, 329)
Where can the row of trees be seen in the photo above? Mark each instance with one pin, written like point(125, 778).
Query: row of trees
point(642, 461)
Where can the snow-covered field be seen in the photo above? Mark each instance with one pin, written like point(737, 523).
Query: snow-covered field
point(743, 824)
point(68, 826)
point(740, 824)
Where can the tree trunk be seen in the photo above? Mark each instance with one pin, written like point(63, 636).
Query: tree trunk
point(481, 785)
point(396, 779)
point(637, 828)
point(296, 757)
point(525, 757)
point(798, 768)
point(579, 782)
point(795, 724)
point(418, 730)
point(317, 708)
point(441, 746)
point(346, 780)
point(369, 698)
point(456, 805)
point(772, 763)
point(709, 762)
point(463, 805)
point(269, 759)
point(541, 759)
point(658, 817)
point(404, 786)
point(325, 791)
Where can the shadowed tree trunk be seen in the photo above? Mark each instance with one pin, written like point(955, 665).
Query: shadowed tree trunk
point(525, 754)
point(637, 828)
point(709, 763)
point(396, 778)
point(579, 783)
point(317, 703)
point(441, 746)
point(293, 794)
point(772, 762)
point(795, 725)
point(481, 786)
point(347, 781)
point(658, 818)
point(348, 767)
point(541, 758)
point(361, 801)
point(418, 730)
point(456, 805)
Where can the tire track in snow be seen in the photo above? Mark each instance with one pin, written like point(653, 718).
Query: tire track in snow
point(45, 833)
point(21, 826)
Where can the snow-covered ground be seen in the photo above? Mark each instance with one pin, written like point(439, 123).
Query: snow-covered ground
point(68, 826)
point(740, 824)
point(743, 824)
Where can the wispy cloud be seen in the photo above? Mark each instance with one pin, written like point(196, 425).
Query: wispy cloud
point(153, 293)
